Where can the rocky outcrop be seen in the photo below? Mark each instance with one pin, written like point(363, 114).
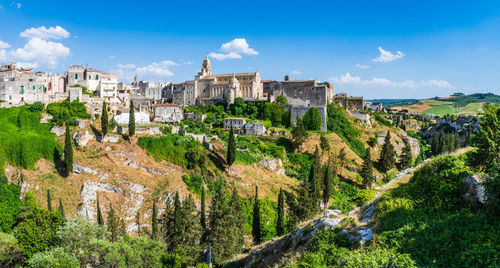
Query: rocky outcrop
point(273, 165)
point(476, 193)
point(88, 195)
point(59, 131)
point(81, 140)
point(45, 118)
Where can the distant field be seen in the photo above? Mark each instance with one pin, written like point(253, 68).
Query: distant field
point(465, 104)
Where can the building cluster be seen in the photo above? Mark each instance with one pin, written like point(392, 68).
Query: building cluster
point(164, 101)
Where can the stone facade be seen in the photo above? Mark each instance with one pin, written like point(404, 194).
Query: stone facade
point(105, 84)
point(170, 113)
point(140, 118)
point(194, 117)
point(206, 88)
point(22, 85)
point(236, 123)
point(349, 103)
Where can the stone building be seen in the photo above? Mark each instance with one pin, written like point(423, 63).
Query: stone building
point(167, 113)
point(105, 84)
point(207, 88)
point(22, 85)
point(349, 103)
point(375, 106)
point(194, 117)
point(236, 123)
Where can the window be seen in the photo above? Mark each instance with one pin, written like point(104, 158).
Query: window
point(22, 89)
point(90, 77)
point(96, 77)
point(76, 76)
point(10, 97)
point(33, 87)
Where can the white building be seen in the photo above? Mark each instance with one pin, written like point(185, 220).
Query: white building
point(167, 113)
point(21, 85)
point(105, 84)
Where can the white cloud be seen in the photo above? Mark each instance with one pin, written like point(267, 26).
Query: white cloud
point(157, 69)
point(187, 62)
point(27, 64)
point(233, 50)
point(41, 51)
point(222, 56)
point(387, 56)
point(348, 80)
point(45, 33)
point(4, 45)
point(361, 66)
point(112, 57)
point(126, 66)
point(18, 5)
point(296, 72)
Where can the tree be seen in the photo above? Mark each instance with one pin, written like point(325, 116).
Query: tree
point(406, 156)
point(487, 140)
point(131, 120)
point(10, 251)
point(324, 143)
point(61, 209)
point(104, 120)
point(177, 230)
point(203, 220)
point(154, 222)
point(314, 185)
point(138, 222)
point(256, 232)
point(280, 223)
point(299, 133)
point(281, 100)
point(342, 158)
point(387, 159)
point(68, 152)
point(231, 148)
point(100, 220)
point(312, 119)
point(190, 229)
point(49, 201)
point(112, 223)
point(367, 169)
point(56, 258)
point(327, 186)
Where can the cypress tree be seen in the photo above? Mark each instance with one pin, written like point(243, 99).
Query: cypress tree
point(324, 144)
point(61, 209)
point(387, 158)
point(367, 169)
point(191, 230)
point(138, 222)
point(280, 223)
point(342, 158)
point(299, 133)
point(406, 156)
point(256, 233)
point(100, 220)
point(177, 230)
point(327, 186)
point(113, 224)
point(68, 152)
point(49, 201)
point(238, 220)
point(314, 189)
point(231, 148)
point(131, 120)
point(154, 223)
point(104, 120)
point(203, 220)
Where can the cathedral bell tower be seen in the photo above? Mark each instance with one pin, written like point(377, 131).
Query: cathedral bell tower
point(206, 68)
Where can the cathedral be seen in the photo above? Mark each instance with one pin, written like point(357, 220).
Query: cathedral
point(206, 88)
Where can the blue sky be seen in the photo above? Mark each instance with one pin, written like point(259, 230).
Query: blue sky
point(376, 49)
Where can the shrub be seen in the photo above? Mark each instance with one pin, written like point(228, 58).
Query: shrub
point(172, 148)
point(194, 182)
point(339, 123)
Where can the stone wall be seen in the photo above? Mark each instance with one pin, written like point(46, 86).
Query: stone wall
point(301, 111)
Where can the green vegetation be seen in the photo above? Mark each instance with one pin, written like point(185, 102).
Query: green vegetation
point(331, 248)
point(340, 125)
point(254, 149)
point(441, 110)
point(172, 148)
point(67, 112)
point(23, 140)
point(428, 219)
point(194, 182)
point(347, 196)
point(104, 120)
point(312, 119)
point(131, 119)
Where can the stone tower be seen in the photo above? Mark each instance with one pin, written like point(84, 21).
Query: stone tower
point(233, 89)
point(206, 68)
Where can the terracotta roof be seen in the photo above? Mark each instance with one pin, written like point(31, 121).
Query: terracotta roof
point(166, 105)
point(299, 81)
point(25, 70)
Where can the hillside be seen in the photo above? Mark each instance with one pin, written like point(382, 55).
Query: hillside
point(460, 105)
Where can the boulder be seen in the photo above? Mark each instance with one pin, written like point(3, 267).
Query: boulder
point(59, 131)
point(45, 118)
point(82, 140)
point(81, 123)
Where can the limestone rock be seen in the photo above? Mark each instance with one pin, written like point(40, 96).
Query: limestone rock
point(82, 140)
point(475, 189)
point(59, 131)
